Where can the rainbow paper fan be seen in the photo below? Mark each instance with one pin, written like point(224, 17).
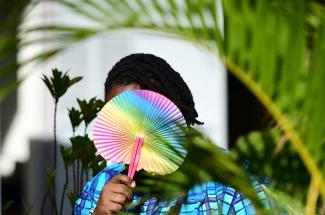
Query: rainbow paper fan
point(141, 128)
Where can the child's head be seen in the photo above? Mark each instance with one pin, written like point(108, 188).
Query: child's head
point(146, 71)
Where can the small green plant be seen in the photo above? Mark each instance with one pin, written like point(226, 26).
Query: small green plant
point(7, 205)
point(80, 157)
point(58, 85)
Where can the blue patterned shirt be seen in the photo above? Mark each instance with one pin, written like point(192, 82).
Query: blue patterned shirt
point(208, 198)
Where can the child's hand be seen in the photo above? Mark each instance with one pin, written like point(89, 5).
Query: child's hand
point(115, 195)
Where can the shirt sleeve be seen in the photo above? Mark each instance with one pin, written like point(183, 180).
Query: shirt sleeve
point(89, 196)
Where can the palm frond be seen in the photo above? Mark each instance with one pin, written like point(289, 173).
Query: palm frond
point(287, 204)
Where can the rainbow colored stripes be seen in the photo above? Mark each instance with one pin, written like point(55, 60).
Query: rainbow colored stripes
point(147, 114)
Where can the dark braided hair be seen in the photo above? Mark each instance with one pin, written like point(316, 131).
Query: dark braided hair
point(155, 74)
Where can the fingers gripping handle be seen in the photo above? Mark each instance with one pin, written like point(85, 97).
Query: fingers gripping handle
point(135, 156)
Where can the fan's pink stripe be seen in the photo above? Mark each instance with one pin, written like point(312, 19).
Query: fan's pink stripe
point(113, 154)
point(101, 126)
point(109, 137)
point(114, 143)
point(105, 124)
point(105, 147)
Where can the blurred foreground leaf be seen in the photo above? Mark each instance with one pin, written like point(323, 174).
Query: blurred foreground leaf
point(285, 202)
point(261, 153)
point(205, 162)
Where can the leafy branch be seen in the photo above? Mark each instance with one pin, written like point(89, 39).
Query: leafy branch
point(57, 84)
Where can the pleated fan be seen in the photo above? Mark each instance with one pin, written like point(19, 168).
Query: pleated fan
point(141, 128)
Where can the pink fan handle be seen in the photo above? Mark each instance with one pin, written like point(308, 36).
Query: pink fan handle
point(135, 156)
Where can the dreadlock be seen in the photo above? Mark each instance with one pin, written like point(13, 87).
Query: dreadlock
point(155, 74)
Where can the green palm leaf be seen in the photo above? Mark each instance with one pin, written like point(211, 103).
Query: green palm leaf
point(287, 203)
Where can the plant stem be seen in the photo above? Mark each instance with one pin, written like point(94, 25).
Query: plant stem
point(53, 195)
point(78, 176)
point(54, 136)
point(53, 200)
point(44, 201)
point(74, 169)
point(82, 171)
point(87, 174)
point(313, 193)
point(81, 179)
point(74, 177)
point(85, 131)
point(64, 189)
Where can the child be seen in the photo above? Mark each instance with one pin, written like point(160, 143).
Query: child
point(110, 191)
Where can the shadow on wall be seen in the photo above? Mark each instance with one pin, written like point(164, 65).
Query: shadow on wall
point(245, 112)
point(24, 191)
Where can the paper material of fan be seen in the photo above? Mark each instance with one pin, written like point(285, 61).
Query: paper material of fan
point(141, 128)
